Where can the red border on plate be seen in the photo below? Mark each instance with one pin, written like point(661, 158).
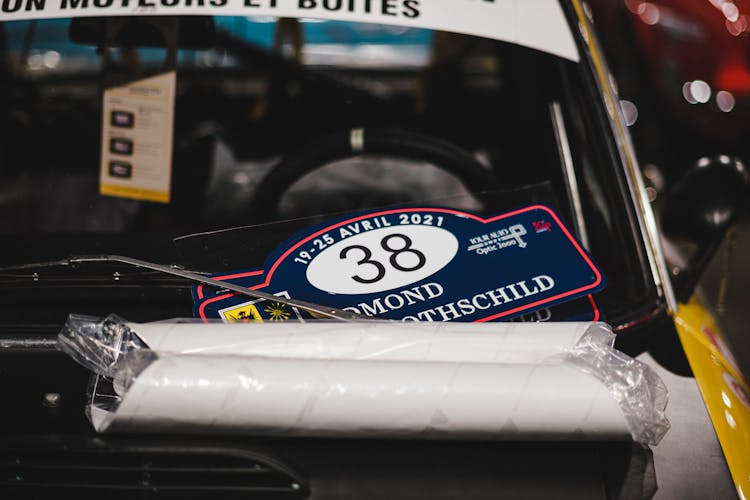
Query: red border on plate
point(597, 314)
point(296, 246)
point(199, 291)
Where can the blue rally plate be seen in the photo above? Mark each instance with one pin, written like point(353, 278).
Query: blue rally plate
point(422, 264)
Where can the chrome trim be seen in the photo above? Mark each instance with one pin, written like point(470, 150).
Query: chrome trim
point(571, 181)
point(29, 343)
point(640, 320)
point(644, 213)
point(652, 229)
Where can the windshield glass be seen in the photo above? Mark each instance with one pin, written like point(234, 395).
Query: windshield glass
point(279, 124)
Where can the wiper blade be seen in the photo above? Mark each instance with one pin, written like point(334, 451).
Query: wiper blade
point(315, 309)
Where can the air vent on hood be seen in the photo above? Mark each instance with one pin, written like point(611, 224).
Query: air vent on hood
point(145, 471)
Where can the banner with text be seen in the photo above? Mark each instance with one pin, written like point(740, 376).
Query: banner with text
point(539, 24)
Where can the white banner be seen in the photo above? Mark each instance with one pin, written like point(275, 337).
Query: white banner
point(539, 24)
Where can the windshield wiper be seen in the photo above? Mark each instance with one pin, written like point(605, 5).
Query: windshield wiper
point(315, 309)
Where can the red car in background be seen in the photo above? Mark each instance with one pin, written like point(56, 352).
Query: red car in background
point(686, 66)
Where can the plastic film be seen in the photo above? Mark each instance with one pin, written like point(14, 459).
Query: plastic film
point(642, 395)
point(491, 381)
point(97, 343)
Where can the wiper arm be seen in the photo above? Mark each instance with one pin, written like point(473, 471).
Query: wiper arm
point(317, 309)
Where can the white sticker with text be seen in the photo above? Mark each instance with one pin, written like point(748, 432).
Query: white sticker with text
point(539, 24)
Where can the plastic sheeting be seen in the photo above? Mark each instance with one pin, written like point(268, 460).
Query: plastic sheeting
point(452, 380)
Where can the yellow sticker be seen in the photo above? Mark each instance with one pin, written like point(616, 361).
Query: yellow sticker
point(261, 311)
point(242, 314)
point(277, 311)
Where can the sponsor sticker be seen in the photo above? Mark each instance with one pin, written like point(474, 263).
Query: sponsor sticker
point(539, 24)
point(427, 264)
point(260, 311)
point(737, 389)
point(721, 348)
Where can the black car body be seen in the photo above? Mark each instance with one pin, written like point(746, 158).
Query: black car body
point(261, 105)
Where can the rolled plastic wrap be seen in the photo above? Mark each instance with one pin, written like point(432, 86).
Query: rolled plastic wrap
point(315, 397)
point(98, 343)
point(376, 379)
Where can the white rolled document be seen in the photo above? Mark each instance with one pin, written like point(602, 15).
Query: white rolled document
point(459, 342)
point(373, 379)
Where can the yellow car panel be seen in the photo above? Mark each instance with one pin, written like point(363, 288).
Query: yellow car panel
point(724, 390)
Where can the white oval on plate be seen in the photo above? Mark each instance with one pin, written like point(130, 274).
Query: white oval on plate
point(382, 259)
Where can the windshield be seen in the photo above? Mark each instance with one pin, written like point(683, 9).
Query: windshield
point(274, 125)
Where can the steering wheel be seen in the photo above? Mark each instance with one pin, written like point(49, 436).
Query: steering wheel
point(383, 142)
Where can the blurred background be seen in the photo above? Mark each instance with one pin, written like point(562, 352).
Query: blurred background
point(682, 68)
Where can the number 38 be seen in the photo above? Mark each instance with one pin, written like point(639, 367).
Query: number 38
point(397, 258)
